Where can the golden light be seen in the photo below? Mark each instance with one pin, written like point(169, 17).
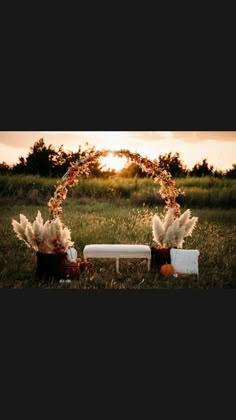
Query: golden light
point(110, 162)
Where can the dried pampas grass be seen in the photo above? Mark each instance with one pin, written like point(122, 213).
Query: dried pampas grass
point(39, 218)
point(158, 229)
point(38, 232)
point(170, 232)
point(20, 232)
point(168, 219)
point(51, 236)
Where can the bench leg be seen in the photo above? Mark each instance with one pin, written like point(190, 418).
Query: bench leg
point(117, 265)
point(148, 264)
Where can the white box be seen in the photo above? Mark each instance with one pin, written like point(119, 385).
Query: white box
point(185, 261)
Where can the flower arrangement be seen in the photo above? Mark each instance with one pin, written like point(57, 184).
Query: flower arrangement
point(54, 237)
point(51, 237)
point(169, 231)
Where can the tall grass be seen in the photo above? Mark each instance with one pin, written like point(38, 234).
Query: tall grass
point(205, 182)
point(207, 192)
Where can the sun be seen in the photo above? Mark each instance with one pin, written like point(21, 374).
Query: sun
point(110, 162)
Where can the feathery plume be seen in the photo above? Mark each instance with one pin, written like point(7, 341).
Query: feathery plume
point(30, 236)
point(171, 234)
point(38, 231)
point(58, 227)
point(52, 230)
point(157, 229)
point(169, 218)
point(179, 237)
point(184, 218)
point(46, 235)
point(170, 231)
point(23, 221)
point(190, 226)
point(169, 240)
point(20, 232)
point(39, 218)
point(66, 238)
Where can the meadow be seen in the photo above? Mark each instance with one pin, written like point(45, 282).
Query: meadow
point(120, 211)
point(199, 192)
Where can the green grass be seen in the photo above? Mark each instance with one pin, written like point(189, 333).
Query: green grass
point(199, 192)
point(119, 221)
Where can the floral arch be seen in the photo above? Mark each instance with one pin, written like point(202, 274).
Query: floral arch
point(53, 237)
point(168, 190)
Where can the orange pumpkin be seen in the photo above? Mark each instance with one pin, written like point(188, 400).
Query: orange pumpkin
point(167, 270)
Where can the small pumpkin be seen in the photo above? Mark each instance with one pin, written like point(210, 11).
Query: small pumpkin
point(167, 270)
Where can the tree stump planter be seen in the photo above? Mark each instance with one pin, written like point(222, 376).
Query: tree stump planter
point(49, 266)
point(159, 256)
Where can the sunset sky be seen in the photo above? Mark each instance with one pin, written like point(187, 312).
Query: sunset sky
point(218, 147)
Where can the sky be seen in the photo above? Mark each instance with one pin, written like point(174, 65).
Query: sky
point(218, 147)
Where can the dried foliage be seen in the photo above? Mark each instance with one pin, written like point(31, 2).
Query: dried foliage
point(169, 232)
point(49, 237)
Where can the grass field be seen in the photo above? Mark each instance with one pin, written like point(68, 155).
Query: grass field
point(199, 192)
point(115, 218)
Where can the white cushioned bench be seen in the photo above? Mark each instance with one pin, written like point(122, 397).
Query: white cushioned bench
point(118, 251)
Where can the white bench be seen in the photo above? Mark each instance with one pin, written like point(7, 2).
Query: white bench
point(118, 251)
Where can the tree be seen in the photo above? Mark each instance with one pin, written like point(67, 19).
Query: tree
point(218, 173)
point(40, 159)
point(231, 173)
point(4, 168)
point(95, 170)
point(202, 169)
point(20, 167)
point(46, 161)
point(131, 171)
point(172, 164)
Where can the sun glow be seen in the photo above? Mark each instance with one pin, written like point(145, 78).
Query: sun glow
point(110, 162)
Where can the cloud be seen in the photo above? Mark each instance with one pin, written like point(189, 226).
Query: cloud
point(18, 139)
point(26, 139)
point(199, 136)
point(148, 135)
point(186, 136)
point(72, 139)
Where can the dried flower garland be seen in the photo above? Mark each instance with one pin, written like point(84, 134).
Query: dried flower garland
point(168, 190)
point(54, 237)
point(70, 179)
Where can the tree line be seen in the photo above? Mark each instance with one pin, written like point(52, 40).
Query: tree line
point(47, 161)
